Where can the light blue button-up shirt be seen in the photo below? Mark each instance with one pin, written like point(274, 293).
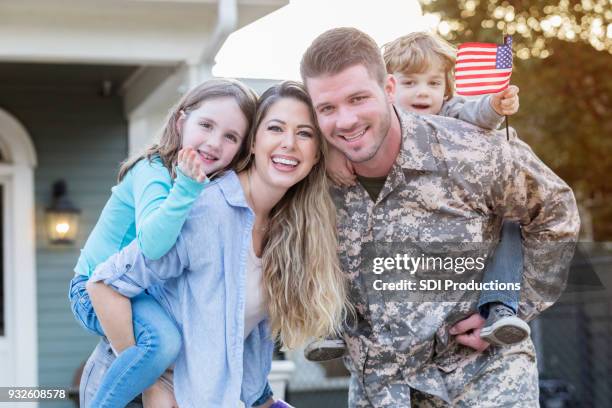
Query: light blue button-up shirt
point(201, 284)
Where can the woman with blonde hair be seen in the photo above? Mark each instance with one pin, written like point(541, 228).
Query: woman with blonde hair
point(255, 262)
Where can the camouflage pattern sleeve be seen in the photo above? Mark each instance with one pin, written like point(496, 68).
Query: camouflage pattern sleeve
point(474, 111)
point(528, 191)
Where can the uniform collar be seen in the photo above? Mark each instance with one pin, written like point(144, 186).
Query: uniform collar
point(415, 152)
point(418, 141)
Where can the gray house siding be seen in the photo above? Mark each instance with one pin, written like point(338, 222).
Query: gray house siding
point(80, 137)
point(576, 352)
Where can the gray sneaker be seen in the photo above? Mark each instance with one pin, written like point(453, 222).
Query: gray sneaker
point(503, 328)
point(325, 350)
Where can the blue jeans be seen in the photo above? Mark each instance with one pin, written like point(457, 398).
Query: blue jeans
point(137, 368)
point(98, 364)
point(505, 266)
point(94, 372)
point(158, 343)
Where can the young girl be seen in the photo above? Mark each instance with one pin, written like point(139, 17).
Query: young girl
point(255, 261)
point(204, 135)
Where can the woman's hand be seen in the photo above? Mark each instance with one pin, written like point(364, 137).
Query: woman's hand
point(339, 169)
point(159, 396)
point(190, 164)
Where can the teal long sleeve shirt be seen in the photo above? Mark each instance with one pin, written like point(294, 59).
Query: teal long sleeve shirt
point(147, 205)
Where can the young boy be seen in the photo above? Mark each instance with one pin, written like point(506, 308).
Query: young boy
point(422, 65)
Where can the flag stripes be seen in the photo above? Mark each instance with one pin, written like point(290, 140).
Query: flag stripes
point(483, 68)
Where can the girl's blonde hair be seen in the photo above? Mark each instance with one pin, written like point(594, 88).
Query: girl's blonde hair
point(417, 52)
point(305, 288)
point(171, 139)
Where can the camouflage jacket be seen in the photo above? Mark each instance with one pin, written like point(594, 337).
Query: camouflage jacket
point(450, 182)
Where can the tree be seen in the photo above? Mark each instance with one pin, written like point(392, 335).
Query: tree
point(533, 23)
point(566, 86)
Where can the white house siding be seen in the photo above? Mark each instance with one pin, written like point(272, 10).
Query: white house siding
point(80, 137)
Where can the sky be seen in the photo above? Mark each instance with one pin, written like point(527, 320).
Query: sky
point(271, 47)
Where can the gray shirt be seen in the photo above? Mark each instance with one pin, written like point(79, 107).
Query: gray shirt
point(475, 111)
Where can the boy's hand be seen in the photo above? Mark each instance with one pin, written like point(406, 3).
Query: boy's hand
point(339, 169)
point(506, 102)
point(191, 165)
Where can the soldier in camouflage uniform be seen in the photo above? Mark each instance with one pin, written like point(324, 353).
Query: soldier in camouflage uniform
point(445, 181)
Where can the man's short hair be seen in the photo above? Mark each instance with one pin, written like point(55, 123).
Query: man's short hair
point(340, 48)
point(416, 52)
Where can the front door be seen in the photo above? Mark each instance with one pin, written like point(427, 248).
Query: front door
point(18, 334)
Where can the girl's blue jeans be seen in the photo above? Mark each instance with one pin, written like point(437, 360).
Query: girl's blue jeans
point(506, 266)
point(110, 381)
point(158, 342)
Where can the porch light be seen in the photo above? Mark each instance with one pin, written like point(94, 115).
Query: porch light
point(62, 216)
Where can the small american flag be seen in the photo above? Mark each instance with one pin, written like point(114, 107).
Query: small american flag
point(483, 68)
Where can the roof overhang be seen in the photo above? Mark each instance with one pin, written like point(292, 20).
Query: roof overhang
point(135, 32)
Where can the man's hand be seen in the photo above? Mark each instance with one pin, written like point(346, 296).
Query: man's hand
point(506, 102)
point(468, 332)
point(190, 164)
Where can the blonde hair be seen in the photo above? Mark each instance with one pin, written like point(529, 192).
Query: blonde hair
point(341, 48)
point(417, 52)
point(305, 289)
point(171, 139)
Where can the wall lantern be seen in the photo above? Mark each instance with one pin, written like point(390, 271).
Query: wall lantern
point(62, 216)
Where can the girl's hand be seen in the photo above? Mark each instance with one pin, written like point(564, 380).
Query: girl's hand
point(339, 169)
point(191, 165)
point(506, 102)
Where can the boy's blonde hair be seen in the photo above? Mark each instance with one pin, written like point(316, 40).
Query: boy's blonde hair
point(416, 52)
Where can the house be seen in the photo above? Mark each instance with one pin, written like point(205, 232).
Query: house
point(82, 85)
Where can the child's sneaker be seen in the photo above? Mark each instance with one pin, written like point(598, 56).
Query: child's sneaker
point(502, 327)
point(325, 350)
